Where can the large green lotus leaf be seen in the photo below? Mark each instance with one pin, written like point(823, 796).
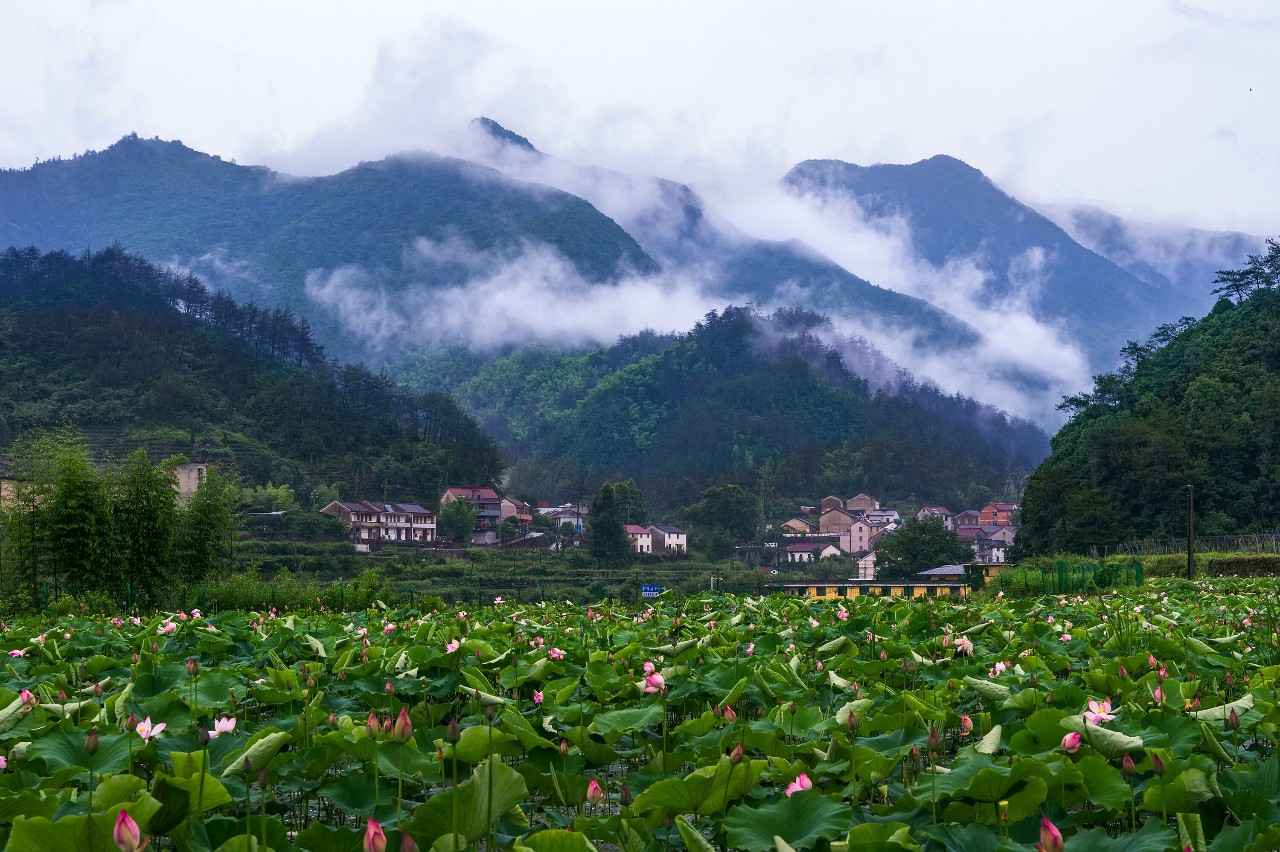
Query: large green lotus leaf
point(1183, 794)
point(80, 833)
point(213, 690)
point(801, 820)
point(64, 748)
point(969, 838)
point(993, 694)
point(627, 720)
point(116, 790)
point(479, 741)
point(32, 803)
point(1104, 785)
point(1264, 834)
point(229, 834)
point(1108, 742)
point(319, 837)
point(555, 840)
point(493, 790)
point(881, 837)
point(262, 747)
point(1154, 836)
point(351, 792)
point(155, 679)
point(1221, 712)
point(704, 791)
point(214, 794)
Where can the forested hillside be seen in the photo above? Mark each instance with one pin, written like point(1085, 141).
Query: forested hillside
point(758, 401)
point(137, 356)
point(1197, 404)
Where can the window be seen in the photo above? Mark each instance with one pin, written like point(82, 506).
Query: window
point(820, 591)
point(842, 592)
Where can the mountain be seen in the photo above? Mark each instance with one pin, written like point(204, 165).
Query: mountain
point(134, 355)
point(266, 237)
point(673, 224)
point(775, 401)
point(1197, 404)
point(954, 213)
point(1183, 261)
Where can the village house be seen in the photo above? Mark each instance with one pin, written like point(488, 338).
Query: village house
point(669, 539)
point(641, 538)
point(997, 514)
point(371, 523)
point(830, 502)
point(967, 518)
point(797, 526)
point(836, 521)
point(487, 505)
point(862, 503)
point(943, 512)
point(811, 551)
point(860, 535)
point(568, 515)
point(511, 507)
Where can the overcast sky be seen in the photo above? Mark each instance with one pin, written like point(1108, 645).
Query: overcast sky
point(1155, 110)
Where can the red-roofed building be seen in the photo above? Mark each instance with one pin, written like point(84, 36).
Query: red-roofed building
point(641, 538)
point(997, 514)
point(487, 505)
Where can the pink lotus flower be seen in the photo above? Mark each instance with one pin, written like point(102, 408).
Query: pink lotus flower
point(654, 683)
point(537, 696)
point(648, 667)
point(452, 646)
point(225, 725)
point(375, 840)
point(802, 782)
point(4, 763)
point(751, 649)
point(29, 701)
point(1071, 742)
point(147, 731)
point(595, 794)
point(126, 834)
point(842, 614)
point(1050, 837)
point(966, 725)
point(18, 652)
point(964, 646)
point(1099, 712)
point(1158, 695)
point(389, 628)
point(555, 654)
point(166, 628)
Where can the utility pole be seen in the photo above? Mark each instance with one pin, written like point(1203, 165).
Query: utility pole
point(1191, 533)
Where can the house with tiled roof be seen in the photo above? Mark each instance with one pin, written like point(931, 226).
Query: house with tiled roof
point(998, 514)
point(373, 523)
point(811, 551)
point(669, 539)
point(948, 520)
point(641, 538)
point(487, 505)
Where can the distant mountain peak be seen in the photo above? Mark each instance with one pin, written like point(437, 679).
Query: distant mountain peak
point(496, 131)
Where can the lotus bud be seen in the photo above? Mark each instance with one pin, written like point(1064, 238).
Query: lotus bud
point(91, 742)
point(372, 726)
point(793, 708)
point(1050, 837)
point(62, 696)
point(386, 725)
point(1071, 742)
point(402, 731)
point(408, 844)
point(1162, 674)
point(934, 742)
point(884, 655)
point(729, 715)
point(389, 689)
point(595, 793)
point(97, 689)
point(852, 721)
point(247, 766)
point(735, 756)
point(1122, 673)
point(262, 778)
point(126, 834)
point(375, 839)
point(193, 666)
point(624, 795)
point(966, 725)
point(154, 647)
point(1233, 720)
point(1128, 766)
point(564, 747)
point(131, 724)
point(1032, 680)
point(1157, 765)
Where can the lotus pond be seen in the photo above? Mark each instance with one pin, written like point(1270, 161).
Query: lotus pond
point(1144, 719)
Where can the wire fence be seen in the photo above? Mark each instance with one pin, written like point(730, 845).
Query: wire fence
point(1252, 543)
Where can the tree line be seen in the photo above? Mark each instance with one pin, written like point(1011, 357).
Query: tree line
point(73, 523)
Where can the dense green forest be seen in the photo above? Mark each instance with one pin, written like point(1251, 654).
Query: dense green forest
point(1197, 404)
point(136, 356)
point(758, 401)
